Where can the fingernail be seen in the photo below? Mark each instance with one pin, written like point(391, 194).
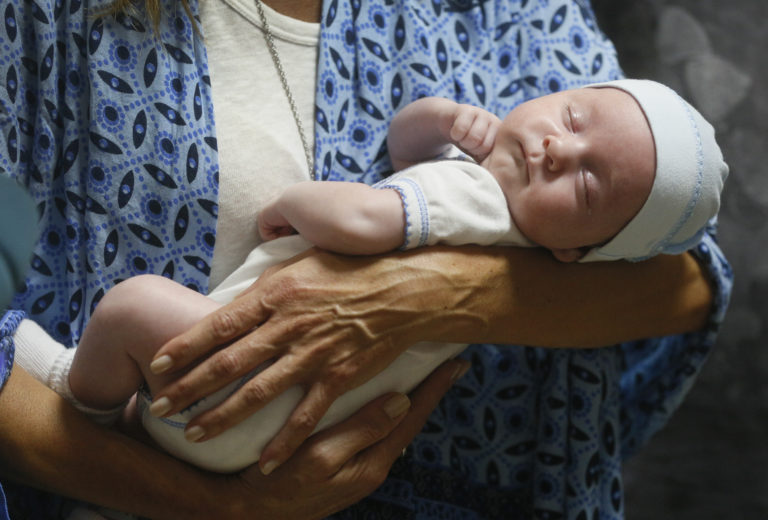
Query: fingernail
point(160, 407)
point(269, 467)
point(161, 364)
point(460, 370)
point(194, 434)
point(397, 406)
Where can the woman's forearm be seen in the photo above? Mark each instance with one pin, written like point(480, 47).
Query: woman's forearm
point(524, 296)
point(46, 444)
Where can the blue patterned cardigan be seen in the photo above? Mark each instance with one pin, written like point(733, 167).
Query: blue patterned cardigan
point(111, 129)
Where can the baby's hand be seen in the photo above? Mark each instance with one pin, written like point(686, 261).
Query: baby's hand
point(272, 223)
point(474, 130)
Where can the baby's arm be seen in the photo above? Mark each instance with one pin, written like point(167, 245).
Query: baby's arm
point(344, 217)
point(426, 127)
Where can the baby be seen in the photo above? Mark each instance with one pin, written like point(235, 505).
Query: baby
point(624, 169)
point(620, 170)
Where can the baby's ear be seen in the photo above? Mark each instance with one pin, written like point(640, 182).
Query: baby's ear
point(569, 255)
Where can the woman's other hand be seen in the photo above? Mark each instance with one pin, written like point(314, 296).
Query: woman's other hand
point(345, 463)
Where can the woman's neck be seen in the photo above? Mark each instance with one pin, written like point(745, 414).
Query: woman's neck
point(305, 10)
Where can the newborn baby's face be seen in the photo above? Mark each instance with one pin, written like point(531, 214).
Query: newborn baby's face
point(575, 166)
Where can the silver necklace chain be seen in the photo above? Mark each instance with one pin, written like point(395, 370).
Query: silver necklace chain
point(269, 38)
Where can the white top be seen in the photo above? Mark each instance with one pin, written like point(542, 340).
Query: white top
point(260, 150)
point(453, 202)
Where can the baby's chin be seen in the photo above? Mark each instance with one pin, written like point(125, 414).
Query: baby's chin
point(509, 171)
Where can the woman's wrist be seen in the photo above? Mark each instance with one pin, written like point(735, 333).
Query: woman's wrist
point(447, 298)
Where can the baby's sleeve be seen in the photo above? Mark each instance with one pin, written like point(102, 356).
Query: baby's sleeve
point(453, 202)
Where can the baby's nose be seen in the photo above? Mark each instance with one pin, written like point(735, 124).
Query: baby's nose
point(561, 152)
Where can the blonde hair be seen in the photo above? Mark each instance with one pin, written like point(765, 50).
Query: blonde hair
point(151, 9)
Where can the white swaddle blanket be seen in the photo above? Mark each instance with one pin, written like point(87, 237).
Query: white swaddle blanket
point(241, 445)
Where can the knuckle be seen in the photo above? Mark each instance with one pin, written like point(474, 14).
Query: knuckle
point(319, 458)
point(290, 288)
point(458, 130)
point(182, 344)
point(180, 387)
point(373, 432)
point(302, 325)
point(339, 380)
point(223, 324)
point(254, 394)
point(225, 363)
point(298, 480)
point(303, 421)
point(377, 425)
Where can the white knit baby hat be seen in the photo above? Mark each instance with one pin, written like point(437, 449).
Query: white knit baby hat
point(690, 173)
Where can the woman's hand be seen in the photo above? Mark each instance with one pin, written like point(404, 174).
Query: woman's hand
point(328, 322)
point(345, 463)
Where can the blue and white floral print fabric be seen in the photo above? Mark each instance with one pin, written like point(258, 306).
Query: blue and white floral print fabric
point(378, 56)
point(111, 130)
point(8, 324)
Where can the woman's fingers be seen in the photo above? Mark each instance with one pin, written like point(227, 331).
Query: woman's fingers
point(337, 467)
point(364, 430)
point(308, 485)
point(297, 428)
point(330, 449)
point(227, 365)
point(251, 397)
point(423, 401)
point(368, 470)
point(217, 371)
point(216, 329)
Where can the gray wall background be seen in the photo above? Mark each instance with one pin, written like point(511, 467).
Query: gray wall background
point(711, 462)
